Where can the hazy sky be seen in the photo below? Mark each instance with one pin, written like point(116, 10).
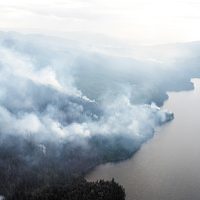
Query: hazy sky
point(140, 21)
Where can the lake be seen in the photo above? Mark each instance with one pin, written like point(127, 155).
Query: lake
point(167, 167)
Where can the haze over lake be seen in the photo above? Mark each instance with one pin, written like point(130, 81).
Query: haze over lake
point(99, 89)
point(167, 166)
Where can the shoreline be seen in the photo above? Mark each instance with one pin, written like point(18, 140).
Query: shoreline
point(134, 157)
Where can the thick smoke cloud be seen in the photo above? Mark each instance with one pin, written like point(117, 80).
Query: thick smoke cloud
point(65, 108)
point(42, 93)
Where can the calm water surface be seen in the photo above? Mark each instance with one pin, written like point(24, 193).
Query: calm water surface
point(168, 166)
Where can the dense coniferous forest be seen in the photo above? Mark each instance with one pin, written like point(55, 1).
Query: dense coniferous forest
point(78, 189)
point(32, 171)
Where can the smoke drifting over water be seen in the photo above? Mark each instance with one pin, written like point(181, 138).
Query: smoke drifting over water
point(62, 97)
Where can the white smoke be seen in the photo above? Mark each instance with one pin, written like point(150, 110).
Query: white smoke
point(47, 91)
point(2, 197)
